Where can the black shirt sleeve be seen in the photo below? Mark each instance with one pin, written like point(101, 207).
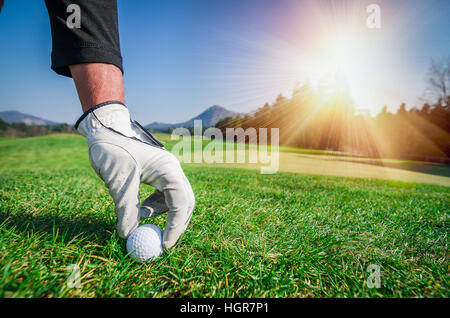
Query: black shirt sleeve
point(83, 31)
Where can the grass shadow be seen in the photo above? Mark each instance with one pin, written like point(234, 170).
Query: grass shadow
point(90, 228)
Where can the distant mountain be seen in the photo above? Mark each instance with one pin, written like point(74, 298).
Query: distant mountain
point(209, 118)
point(13, 116)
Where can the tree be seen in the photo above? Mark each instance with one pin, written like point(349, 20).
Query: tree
point(3, 125)
point(402, 109)
point(425, 109)
point(280, 101)
point(438, 90)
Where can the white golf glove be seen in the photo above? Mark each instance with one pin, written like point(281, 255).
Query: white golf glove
point(124, 155)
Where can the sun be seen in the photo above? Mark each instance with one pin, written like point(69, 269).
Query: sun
point(344, 60)
point(341, 53)
point(338, 54)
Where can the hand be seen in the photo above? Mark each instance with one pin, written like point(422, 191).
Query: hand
point(124, 155)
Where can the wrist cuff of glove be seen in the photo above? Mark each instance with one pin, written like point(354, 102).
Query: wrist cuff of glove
point(90, 110)
point(113, 116)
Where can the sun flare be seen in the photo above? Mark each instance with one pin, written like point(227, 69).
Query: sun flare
point(347, 56)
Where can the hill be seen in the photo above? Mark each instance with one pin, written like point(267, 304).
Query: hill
point(13, 116)
point(209, 117)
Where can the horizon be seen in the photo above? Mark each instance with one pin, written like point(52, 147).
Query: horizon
point(187, 56)
point(145, 124)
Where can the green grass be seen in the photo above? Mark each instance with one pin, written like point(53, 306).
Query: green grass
point(252, 235)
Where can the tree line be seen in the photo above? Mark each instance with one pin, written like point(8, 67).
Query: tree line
point(23, 130)
point(324, 117)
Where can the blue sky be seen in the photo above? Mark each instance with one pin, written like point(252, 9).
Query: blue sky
point(181, 57)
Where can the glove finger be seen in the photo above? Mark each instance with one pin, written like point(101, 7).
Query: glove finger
point(192, 201)
point(153, 206)
point(180, 200)
point(121, 176)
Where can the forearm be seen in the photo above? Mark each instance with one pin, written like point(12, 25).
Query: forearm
point(97, 83)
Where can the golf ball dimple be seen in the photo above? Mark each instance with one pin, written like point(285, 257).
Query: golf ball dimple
point(145, 243)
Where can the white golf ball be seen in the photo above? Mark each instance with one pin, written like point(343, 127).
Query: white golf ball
point(145, 243)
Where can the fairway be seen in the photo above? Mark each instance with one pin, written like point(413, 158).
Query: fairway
point(320, 162)
point(289, 234)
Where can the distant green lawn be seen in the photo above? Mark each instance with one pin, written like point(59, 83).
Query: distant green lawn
point(252, 235)
point(321, 162)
